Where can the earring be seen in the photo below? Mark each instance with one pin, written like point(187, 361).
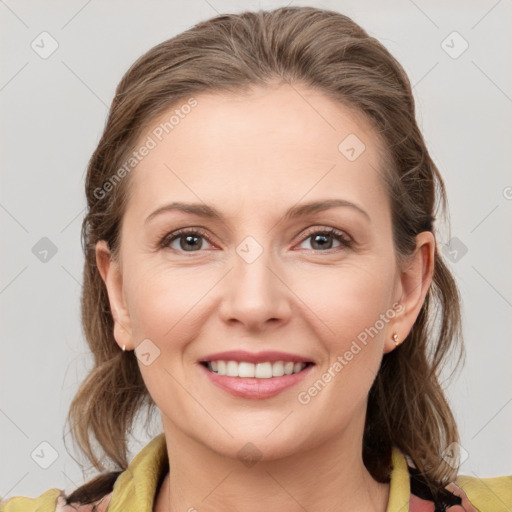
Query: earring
point(124, 348)
point(395, 339)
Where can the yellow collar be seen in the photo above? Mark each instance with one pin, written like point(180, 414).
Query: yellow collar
point(135, 488)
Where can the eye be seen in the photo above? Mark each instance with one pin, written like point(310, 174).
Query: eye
point(322, 239)
point(189, 240)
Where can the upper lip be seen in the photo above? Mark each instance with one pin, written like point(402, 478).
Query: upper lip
point(255, 357)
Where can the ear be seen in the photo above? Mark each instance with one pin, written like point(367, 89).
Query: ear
point(414, 281)
point(111, 274)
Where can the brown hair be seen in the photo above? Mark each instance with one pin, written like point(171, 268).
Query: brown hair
point(327, 51)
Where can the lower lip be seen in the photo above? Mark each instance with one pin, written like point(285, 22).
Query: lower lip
point(255, 389)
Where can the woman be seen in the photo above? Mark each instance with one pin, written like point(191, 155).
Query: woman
point(261, 266)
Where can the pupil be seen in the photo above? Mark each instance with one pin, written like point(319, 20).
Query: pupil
point(322, 237)
point(189, 238)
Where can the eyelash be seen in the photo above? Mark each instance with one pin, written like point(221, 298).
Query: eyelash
point(345, 241)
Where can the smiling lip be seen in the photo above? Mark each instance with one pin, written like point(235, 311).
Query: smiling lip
point(257, 357)
point(253, 388)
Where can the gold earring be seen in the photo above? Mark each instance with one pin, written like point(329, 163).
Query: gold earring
point(395, 339)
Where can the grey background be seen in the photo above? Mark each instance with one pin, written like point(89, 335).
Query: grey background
point(53, 112)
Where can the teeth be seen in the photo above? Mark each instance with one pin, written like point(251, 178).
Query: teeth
point(258, 370)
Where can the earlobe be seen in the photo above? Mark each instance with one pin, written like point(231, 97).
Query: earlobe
point(393, 342)
point(112, 278)
point(415, 280)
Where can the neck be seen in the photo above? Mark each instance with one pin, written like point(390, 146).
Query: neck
point(328, 477)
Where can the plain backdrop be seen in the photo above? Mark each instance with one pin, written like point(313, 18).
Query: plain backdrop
point(53, 110)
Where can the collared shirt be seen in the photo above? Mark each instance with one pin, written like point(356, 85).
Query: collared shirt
point(135, 489)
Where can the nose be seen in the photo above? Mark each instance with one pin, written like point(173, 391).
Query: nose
point(254, 291)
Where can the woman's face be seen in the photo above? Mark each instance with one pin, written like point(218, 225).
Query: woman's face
point(263, 274)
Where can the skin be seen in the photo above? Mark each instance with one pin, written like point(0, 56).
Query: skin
point(254, 156)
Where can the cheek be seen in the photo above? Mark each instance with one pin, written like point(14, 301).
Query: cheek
point(162, 301)
point(352, 312)
point(352, 308)
point(348, 299)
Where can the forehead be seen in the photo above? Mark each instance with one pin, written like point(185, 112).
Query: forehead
point(273, 144)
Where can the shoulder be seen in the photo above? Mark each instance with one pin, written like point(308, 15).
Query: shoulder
point(494, 493)
point(468, 493)
point(43, 503)
point(53, 500)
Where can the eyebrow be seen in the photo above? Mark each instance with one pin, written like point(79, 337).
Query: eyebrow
point(203, 210)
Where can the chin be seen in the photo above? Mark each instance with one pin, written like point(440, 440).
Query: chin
point(258, 447)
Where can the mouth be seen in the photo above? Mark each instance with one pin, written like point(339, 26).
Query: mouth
point(255, 381)
point(262, 370)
